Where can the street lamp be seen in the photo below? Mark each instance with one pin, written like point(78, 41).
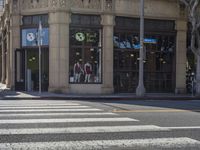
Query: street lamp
point(140, 91)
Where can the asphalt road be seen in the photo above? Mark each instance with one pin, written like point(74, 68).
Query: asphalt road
point(99, 125)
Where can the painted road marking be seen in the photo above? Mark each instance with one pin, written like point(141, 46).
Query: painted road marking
point(44, 107)
point(56, 114)
point(50, 110)
point(97, 129)
point(63, 120)
point(39, 104)
point(181, 142)
point(182, 128)
point(151, 110)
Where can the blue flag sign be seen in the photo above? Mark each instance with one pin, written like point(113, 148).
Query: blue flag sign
point(30, 37)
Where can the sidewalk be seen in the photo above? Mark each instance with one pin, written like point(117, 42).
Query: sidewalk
point(14, 95)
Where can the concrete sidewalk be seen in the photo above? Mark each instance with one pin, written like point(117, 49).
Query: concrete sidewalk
point(14, 95)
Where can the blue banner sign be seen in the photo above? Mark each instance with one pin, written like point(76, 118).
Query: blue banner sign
point(128, 43)
point(29, 37)
point(150, 40)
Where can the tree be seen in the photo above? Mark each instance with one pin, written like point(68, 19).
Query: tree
point(193, 8)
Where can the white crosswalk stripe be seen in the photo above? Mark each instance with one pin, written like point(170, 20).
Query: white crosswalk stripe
point(47, 110)
point(38, 104)
point(43, 107)
point(102, 144)
point(97, 129)
point(17, 116)
point(63, 120)
point(59, 114)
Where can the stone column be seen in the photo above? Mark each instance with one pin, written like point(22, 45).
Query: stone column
point(3, 59)
point(108, 25)
point(181, 49)
point(8, 68)
point(0, 55)
point(14, 44)
point(59, 51)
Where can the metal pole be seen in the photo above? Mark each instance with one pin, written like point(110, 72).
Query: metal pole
point(40, 81)
point(140, 91)
point(39, 45)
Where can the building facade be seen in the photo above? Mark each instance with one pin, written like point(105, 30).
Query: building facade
point(92, 46)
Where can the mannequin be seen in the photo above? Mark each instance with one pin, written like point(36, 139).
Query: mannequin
point(88, 71)
point(77, 72)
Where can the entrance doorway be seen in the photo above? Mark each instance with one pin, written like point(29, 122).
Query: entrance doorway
point(27, 69)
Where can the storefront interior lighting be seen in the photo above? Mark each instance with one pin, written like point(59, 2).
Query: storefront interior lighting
point(152, 52)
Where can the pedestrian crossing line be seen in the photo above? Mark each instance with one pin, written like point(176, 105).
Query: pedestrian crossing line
point(156, 143)
point(51, 110)
point(44, 107)
point(58, 114)
point(32, 104)
point(94, 129)
point(183, 128)
point(68, 120)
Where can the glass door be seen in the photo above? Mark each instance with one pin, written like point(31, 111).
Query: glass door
point(32, 69)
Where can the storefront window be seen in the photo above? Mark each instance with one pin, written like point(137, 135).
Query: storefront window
point(34, 20)
point(85, 55)
point(159, 61)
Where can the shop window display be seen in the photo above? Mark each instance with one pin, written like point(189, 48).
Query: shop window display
point(85, 55)
point(158, 63)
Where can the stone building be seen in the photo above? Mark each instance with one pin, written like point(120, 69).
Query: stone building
point(91, 46)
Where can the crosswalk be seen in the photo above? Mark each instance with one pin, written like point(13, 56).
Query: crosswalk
point(62, 125)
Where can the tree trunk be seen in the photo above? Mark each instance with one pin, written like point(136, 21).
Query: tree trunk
point(198, 76)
